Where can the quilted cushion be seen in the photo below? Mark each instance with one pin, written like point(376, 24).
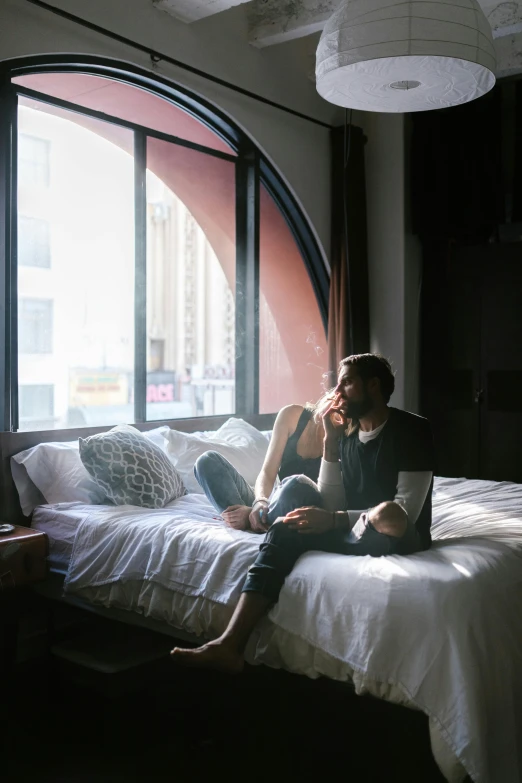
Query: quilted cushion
point(130, 469)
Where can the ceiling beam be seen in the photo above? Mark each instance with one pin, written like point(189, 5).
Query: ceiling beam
point(193, 10)
point(504, 18)
point(276, 21)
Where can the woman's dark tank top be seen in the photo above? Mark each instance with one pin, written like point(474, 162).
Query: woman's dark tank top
point(292, 463)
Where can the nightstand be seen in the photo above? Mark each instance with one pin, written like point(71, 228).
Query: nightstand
point(23, 562)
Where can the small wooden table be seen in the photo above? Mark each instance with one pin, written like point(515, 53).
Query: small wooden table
point(23, 561)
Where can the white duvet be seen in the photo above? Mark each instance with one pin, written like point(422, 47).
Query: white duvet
point(440, 630)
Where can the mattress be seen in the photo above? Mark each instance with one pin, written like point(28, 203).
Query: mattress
point(461, 507)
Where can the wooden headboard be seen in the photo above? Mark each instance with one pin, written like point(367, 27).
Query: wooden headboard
point(13, 442)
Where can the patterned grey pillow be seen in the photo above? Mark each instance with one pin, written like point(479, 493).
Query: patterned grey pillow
point(130, 469)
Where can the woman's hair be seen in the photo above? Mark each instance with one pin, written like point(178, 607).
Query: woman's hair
point(319, 407)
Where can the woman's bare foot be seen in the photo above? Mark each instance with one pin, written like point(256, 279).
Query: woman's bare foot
point(237, 517)
point(214, 655)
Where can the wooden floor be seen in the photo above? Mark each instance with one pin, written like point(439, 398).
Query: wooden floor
point(161, 723)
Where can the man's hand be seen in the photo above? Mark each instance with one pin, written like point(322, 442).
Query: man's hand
point(334, 419)
point(334, 425)
point(310, 520)
point(237, 517)
point(259, 517)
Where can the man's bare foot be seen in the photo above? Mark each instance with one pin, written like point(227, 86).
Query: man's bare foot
point(214, 655)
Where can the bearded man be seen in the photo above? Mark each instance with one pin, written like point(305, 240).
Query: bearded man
point(373, 497)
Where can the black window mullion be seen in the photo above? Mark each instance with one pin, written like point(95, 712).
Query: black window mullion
point(140, 277)
point(133, 126)
point(247, 284)
point(8, 257)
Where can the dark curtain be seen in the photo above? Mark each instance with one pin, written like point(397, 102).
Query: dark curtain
point(457, 200)
point(456, 171)
point(348, 313)
point(517, 168)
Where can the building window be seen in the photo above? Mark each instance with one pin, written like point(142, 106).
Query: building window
point(36, 401)
point(34, 247)
point(35, 326)
point(33, 161)
point(156, 355)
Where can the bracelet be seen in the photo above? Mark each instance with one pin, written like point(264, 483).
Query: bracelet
point(260, 500)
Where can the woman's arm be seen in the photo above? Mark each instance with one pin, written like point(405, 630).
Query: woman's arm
point(285, 425)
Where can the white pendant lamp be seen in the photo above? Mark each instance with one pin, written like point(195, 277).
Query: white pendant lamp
point(390, 56)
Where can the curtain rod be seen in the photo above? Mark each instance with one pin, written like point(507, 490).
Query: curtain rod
point(157, 56)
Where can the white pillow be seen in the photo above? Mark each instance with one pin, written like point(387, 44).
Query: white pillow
point(158, 436)
point(54, 473)
point(239, 433)
point(29, 494)
point(56, 470)
point(239, 442)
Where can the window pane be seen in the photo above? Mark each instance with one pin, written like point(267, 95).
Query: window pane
point(125, 102)
point(33, 242)
point(292, 341)
point(76, 310)
point(191, 256)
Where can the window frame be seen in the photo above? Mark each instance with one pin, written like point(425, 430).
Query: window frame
point(252, 168)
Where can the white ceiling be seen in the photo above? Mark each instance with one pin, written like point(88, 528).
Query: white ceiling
point(277, 21)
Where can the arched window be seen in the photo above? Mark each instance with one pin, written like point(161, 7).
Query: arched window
point(160, 269)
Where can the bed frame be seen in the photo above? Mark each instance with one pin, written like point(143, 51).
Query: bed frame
point(13, 442)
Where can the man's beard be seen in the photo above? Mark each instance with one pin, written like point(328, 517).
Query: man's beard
point(356, 409)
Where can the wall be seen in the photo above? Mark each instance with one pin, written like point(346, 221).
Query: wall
point(394, 255)
point(218, 45)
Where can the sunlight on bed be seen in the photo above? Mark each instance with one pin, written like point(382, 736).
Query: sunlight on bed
point(461, 568)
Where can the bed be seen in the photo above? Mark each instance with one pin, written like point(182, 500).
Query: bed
point(440, 631)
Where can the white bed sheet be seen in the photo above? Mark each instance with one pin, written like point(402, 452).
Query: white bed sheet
point(427, 630)
point(60, 523)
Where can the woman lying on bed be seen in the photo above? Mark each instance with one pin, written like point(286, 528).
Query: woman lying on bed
point(295, 448)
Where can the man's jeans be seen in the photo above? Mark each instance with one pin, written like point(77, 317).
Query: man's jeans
point(283, 546)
